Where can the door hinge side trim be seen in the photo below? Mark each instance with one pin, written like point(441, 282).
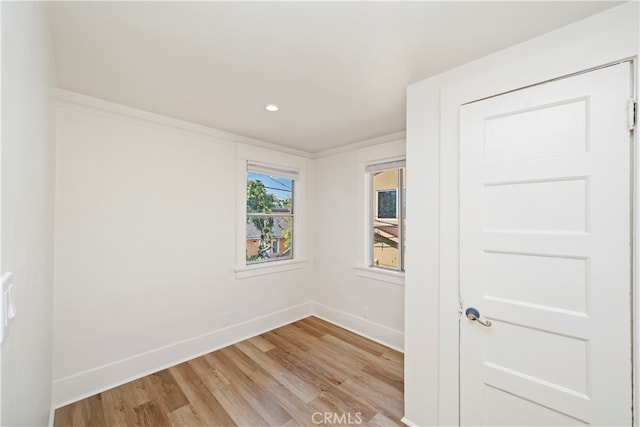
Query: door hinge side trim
point(632, 110)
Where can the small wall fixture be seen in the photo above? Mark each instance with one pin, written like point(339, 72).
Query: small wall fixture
point(272, 107)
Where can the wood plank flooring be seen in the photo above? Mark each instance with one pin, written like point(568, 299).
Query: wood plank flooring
point(308, 373)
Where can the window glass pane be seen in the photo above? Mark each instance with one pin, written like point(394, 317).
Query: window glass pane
point(384, 225)
point(268, 194)
point(269, 238)
point(403, 267)
point(269, 218)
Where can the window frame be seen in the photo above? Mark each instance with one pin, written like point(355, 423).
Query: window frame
point(400, 190)
point(274, 174)
point(393, 150)
point(276, 163)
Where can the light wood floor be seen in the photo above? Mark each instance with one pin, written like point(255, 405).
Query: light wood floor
point(304, 374)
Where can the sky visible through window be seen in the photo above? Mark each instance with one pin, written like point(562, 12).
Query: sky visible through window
point(279, 187)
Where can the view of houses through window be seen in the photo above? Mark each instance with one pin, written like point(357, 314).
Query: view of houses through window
point(388, 220)
point(269, 218)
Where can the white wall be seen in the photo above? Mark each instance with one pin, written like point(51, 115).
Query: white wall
point(146, 232)
point(28, 162)
point(340, 291)
point(431, 340)
point(146, 250)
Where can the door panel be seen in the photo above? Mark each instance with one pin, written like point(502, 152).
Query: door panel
point(554, 283)
point(545, 254)
point(551, 206)
point(526, 412)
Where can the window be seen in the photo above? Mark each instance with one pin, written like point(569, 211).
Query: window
point(271, 201)
point(269, 221)
point(387, 218)
point(387, 204)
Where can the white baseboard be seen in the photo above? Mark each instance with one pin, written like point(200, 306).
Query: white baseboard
point(88, 383)
point(84, 384)
point(52, 414)
point(365, 327)
point(408, 422)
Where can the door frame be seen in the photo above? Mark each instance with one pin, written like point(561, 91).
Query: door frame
point(554, 64)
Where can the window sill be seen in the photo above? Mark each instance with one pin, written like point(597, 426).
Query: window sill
point(269, 268)
point(395, 277)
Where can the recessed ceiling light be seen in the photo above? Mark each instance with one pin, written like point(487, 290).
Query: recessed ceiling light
point(272, 107)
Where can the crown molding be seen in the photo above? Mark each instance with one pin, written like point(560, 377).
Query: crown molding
point(392, 137)
point(79, 102)
point(89, 104)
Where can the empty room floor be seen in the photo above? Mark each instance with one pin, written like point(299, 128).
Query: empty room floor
point(307, 373)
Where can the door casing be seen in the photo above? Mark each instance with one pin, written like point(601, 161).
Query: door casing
point(557, 64)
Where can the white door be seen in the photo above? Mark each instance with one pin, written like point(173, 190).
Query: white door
point(545, 254)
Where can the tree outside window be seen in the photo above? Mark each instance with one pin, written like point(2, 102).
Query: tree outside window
point(269, 218)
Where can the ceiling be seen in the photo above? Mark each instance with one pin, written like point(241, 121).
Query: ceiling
point(337, 70)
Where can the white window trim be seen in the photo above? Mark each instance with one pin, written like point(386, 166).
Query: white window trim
point(278, 163)
point(382, 274)
point(369, 158)
point(261, 269)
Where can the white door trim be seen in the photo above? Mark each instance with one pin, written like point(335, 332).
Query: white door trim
point(555, 64)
